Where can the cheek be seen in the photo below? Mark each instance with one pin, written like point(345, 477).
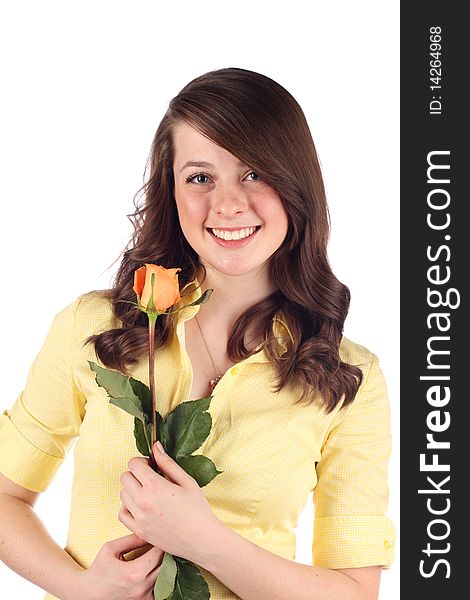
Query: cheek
point(191, 211)
point(276, 214)
point(279, 221)
point(283, 218)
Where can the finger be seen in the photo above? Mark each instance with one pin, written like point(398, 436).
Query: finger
point(126, 518)
point(150, 561)
point(152, 576)
point(140, 459)
point(128, 502)
point(130, 484)
point(125, 544)
point(171, 468)
point(142, 471)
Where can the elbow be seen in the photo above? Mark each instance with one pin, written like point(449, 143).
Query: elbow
point(10, 490)
point(361, 584)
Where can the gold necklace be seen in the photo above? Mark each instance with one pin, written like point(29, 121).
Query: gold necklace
point(215, 381)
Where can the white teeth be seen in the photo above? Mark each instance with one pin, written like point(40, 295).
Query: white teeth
point(234, 235)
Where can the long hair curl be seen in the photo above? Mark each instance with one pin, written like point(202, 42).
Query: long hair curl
point(258, 121)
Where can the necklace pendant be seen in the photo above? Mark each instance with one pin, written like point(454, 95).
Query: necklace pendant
point(214, 382)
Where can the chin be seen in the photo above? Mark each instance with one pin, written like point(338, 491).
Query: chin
point(234, 270)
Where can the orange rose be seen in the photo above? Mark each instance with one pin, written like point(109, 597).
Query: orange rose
point(165, 290)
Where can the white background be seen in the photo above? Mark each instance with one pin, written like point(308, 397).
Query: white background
point(84, 86)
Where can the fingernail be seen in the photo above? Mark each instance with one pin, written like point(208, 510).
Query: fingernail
point(160, 447)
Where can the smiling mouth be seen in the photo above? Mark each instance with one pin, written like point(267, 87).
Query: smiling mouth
point(238, 234)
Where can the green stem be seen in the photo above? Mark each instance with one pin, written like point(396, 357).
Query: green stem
point(152, 320)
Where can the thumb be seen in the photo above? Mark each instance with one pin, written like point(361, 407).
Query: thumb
point(170, 467)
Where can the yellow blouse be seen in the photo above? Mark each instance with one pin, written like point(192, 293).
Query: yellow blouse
point(272, 452)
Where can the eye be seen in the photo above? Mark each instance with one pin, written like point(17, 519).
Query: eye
point(253, 176)
point(199, 178)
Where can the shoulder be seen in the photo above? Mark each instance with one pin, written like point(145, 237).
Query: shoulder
point(373, 389)
point(354, 354)
point(89, 314)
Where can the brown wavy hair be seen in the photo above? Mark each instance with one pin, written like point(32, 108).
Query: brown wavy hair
point(258, 121)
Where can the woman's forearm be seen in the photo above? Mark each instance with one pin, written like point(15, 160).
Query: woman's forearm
point(254, 573)
point(27, 548)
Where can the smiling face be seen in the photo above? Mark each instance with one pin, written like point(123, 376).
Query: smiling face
point(231, 218)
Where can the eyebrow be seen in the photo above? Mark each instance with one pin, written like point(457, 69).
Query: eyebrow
point(196, 163)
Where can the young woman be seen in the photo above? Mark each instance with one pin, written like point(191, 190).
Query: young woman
point(235, 198)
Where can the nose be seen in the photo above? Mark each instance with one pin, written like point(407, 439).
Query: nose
point(230, 200)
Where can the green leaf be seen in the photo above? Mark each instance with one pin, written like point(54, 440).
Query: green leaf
point(193, 434)
point(166, 578)
point(119, 389)
point(203, 298)
point(162, 431)
point(189, 583)
point(200, 467)
point(188, 425)
point(143, 393)
point(140, 439)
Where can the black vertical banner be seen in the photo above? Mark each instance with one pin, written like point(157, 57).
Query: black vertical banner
point(435, 368)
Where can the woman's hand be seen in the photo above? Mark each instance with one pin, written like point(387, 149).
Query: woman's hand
point(171, 513)
point(110, 577)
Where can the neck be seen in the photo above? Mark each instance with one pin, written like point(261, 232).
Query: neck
point(233, 294)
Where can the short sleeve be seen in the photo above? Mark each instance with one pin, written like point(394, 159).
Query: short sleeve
point(351, 528)
point(40, 427)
